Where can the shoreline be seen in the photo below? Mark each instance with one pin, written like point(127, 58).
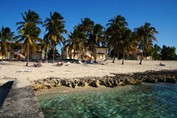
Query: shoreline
point(66, 90)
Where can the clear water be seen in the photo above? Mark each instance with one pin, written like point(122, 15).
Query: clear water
point(142, 101)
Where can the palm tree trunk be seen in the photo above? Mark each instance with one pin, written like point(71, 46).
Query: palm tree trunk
point(53, 55)
point(45, 56)
point(123, 57)
point(1, 52)
point(95, 53)
point(41, 55)
point(27, 55)
point(74, 54)
point(113, 61)
point(117, 54)
point(2, 55)
point(141, 59)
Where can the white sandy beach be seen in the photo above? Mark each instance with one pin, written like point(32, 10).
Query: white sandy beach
point(19, 70)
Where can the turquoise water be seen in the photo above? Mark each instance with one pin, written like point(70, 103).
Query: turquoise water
point(141, 101)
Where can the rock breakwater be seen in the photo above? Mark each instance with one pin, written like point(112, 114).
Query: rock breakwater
point(108, 81)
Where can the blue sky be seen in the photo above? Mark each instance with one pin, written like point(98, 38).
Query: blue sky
point(160, 13)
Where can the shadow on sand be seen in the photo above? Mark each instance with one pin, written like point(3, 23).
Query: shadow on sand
point(4, 90)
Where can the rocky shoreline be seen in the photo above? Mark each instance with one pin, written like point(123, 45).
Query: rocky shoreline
point(169, 76)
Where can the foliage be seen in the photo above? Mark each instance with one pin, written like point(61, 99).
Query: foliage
point(5, 36)
point(29, 32)
point(168, 53)
point(55, 26)
point(156, 52)
point(115, 30)
point(145, 34)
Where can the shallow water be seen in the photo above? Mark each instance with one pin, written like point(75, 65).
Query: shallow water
point(141, 101)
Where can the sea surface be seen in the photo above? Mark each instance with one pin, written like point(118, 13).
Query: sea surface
point(132, 101)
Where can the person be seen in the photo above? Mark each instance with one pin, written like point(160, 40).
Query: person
point(39, 64)
point(60, 63)
point(161, 64)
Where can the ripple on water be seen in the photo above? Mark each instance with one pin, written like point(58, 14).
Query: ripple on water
point(146, 100)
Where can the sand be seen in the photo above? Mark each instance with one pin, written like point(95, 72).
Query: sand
point(17, 69)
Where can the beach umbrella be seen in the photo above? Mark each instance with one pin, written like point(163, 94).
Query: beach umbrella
point(19, 55)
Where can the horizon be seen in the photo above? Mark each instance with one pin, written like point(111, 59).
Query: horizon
point(160, 13)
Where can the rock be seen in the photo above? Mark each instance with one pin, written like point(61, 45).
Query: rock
point(47, 85)
point(151, 80)
point(171, 79)
point(74, 83)
point(95, 83)
point(36, 87)
point(83, 83)
point(121, 83)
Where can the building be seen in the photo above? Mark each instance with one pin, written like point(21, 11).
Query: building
point(101, 53)
point(15, 52)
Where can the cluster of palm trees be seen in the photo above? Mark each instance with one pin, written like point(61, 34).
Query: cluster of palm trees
point(116, 35)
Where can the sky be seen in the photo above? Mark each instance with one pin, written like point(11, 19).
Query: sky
point(160, 13)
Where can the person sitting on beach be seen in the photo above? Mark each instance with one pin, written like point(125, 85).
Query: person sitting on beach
point(60, 63)
point(37, 64)
point(161, 64)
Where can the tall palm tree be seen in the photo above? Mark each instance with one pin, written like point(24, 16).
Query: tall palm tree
point(75, 41)
point(129, 43)
point(29, 32)
point(86, 27)
point(114, 31)
point(96, 36)
point(55, 27)
point(156, 52)
point(5, 36)
point(145, 34)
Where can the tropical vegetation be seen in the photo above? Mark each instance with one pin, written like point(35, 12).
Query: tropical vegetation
point(116, 36)
point(5, 36)
point(29, 32)
point(55, 27)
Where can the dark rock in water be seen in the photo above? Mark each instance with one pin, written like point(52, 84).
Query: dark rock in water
point(83, 83)
point(151, 80)
point(95, 83)
point(171, 79)
point(162, 78)
point(75, 83)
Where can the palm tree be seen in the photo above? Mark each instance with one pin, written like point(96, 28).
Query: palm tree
point(5, 36)
point(145, 35)
point(156, 52)
point(29, 17)
point(86, 27)
point(75, 42)
point(55, 27)
point(114, 31)
point(129, 43)
point(29, 32)
point(96, 36)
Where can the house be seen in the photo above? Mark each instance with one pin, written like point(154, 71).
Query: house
point(100, 51)
point(16, 53)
